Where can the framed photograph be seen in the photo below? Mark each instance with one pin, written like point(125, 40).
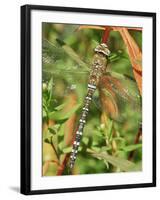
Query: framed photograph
point(88, 99)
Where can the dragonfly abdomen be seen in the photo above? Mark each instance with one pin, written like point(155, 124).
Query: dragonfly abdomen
point(82, 121)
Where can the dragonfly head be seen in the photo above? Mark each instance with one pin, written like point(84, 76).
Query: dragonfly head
point(103, 48)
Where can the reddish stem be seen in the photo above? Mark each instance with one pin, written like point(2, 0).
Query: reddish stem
point(62, 167)
point(106, 34)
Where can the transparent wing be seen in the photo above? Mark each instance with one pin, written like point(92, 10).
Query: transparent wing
point(57, 57)
point(120, 97)
point(62, 64)
point(51, 52)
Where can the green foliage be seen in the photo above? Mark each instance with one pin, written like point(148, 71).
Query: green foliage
point(117, 162)
point(61, 116)
point(105, 145)
point(131, 147)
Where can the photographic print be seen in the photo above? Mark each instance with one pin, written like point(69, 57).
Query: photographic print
point(92, 99)
point(88, 107)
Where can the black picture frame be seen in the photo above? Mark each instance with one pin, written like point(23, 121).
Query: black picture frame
point(26, 98)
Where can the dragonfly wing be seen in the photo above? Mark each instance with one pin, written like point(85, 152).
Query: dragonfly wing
point(61, 63)
point(57, 56)
point(107, 96)
point(120, 96)
point(51, 52)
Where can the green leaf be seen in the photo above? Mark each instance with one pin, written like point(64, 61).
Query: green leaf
point(106, 148)
point(97, 149)
point(44, 113)
point(67, 150)
point(121, 142)
point(119, 139)
point(121, 163)
point(131, 147)
point(85, 140)
point(51, 137)
point(107, 164)
point(109, 131)
point(50, 86)
point(48, 137)
point(61, 116)
point(54, 129)
point(61, 130)
point(138, 166)
point(51, 130)
point(61, 145)
point(60, 107)
point(48, 140)
point(113, 57)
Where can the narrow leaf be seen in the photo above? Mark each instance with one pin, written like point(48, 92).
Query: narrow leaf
point(135, 54)
point(54, 129)
point(121, 163)
point(60, 107)
point(131, 147)
point(67, 149)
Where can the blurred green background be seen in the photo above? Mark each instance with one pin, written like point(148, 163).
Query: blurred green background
point(109, 142)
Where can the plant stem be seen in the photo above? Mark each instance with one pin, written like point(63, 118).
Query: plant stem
point(138, 135)
point(106, 34)
point(54, 149)
point(62, 167)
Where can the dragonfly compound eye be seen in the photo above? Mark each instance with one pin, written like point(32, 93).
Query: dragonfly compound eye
point(102, 48)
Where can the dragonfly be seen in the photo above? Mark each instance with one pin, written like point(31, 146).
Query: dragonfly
point(116, 84)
